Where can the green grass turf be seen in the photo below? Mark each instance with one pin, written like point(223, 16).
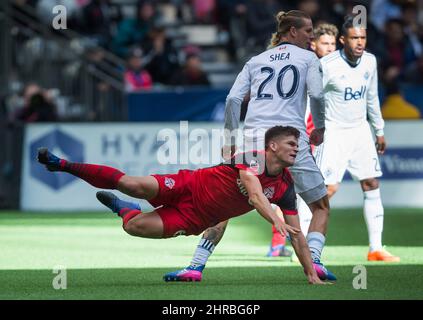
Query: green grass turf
point(105, 263)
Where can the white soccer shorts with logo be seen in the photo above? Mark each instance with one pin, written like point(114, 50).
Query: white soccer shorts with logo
point(351, 149)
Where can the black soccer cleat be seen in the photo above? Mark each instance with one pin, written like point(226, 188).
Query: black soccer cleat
point(51, 162)
point(114, 203)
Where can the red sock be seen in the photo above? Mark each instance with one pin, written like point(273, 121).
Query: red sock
point(97, 175)
point(277, 238)
point(127, 214)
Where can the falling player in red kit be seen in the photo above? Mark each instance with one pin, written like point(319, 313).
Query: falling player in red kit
point(192, 201)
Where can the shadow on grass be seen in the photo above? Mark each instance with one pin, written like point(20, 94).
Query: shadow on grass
point(402, 227)
point(249, 283)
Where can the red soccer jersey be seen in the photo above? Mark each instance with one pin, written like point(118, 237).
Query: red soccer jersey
point(218, 194)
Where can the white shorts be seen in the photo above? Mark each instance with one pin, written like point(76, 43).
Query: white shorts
point(351, 149)
point(309, 182)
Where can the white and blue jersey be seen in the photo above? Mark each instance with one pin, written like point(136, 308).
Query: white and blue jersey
point(279, 80)
point(351, 93)
point(352, 105)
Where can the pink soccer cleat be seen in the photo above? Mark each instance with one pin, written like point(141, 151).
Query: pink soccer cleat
point(190, 273)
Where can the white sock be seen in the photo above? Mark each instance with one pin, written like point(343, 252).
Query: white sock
point(304, 214)
point(373, 214)
point(202, 253)
point(316, 242)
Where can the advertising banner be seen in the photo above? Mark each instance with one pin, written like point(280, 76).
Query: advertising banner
point(145, 148)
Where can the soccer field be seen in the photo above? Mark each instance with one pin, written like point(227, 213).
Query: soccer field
point(103, 262)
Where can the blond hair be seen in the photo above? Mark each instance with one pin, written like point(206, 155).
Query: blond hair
point(325, 28)
point(286, 20)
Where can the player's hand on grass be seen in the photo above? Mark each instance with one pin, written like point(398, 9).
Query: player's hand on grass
point(314, 279)
point(380, 144)
point(316, 136)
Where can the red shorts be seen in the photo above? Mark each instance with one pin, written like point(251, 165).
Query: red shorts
point(178, 214)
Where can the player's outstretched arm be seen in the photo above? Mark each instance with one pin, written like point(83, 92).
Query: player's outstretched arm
point(302, 250)
point(259, 201)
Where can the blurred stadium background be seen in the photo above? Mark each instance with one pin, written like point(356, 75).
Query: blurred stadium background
point(101, 90)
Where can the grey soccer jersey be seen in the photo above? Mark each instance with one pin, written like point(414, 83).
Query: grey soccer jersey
point(278, 81)
point(351, 92)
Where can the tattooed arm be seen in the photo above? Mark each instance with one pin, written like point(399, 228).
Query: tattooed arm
point(215, 233)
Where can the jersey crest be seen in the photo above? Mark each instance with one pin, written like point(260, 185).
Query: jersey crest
point(169, 182)
point(269, 192)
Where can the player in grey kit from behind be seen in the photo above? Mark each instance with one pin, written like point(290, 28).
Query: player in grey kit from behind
point(278, 81)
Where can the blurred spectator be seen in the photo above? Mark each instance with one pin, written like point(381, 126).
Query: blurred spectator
point(333, 13)
point(38, 106)
point(412, 29)
point(261, 21)
point(398, 51)
point(232, 20)
point(414, 72)
point(131, 31)
point(161, 58)
point(312, 8)
point(204, 10)
point(32, 3)
point(191, 74)
point(95, 58)
point(136, 78)
point(383, 10)
point(3, 108)
point(229, 9)
point(98, 19)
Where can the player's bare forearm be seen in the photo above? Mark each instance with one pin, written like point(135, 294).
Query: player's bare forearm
point(215, 233)
point(256, 197)
point(259, 201)
point(302, 250)
point(299, 244)
point(264, 208)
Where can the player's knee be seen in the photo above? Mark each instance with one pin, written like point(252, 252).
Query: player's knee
point(321, 206)
point(129, 228)
point(370, 184)
point(135, 228)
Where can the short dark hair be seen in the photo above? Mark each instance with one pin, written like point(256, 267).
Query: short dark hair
point(348, 24)
point(278, 131)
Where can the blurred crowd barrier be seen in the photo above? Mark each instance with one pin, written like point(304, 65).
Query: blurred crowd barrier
point(202, 104)
point(206, 104)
